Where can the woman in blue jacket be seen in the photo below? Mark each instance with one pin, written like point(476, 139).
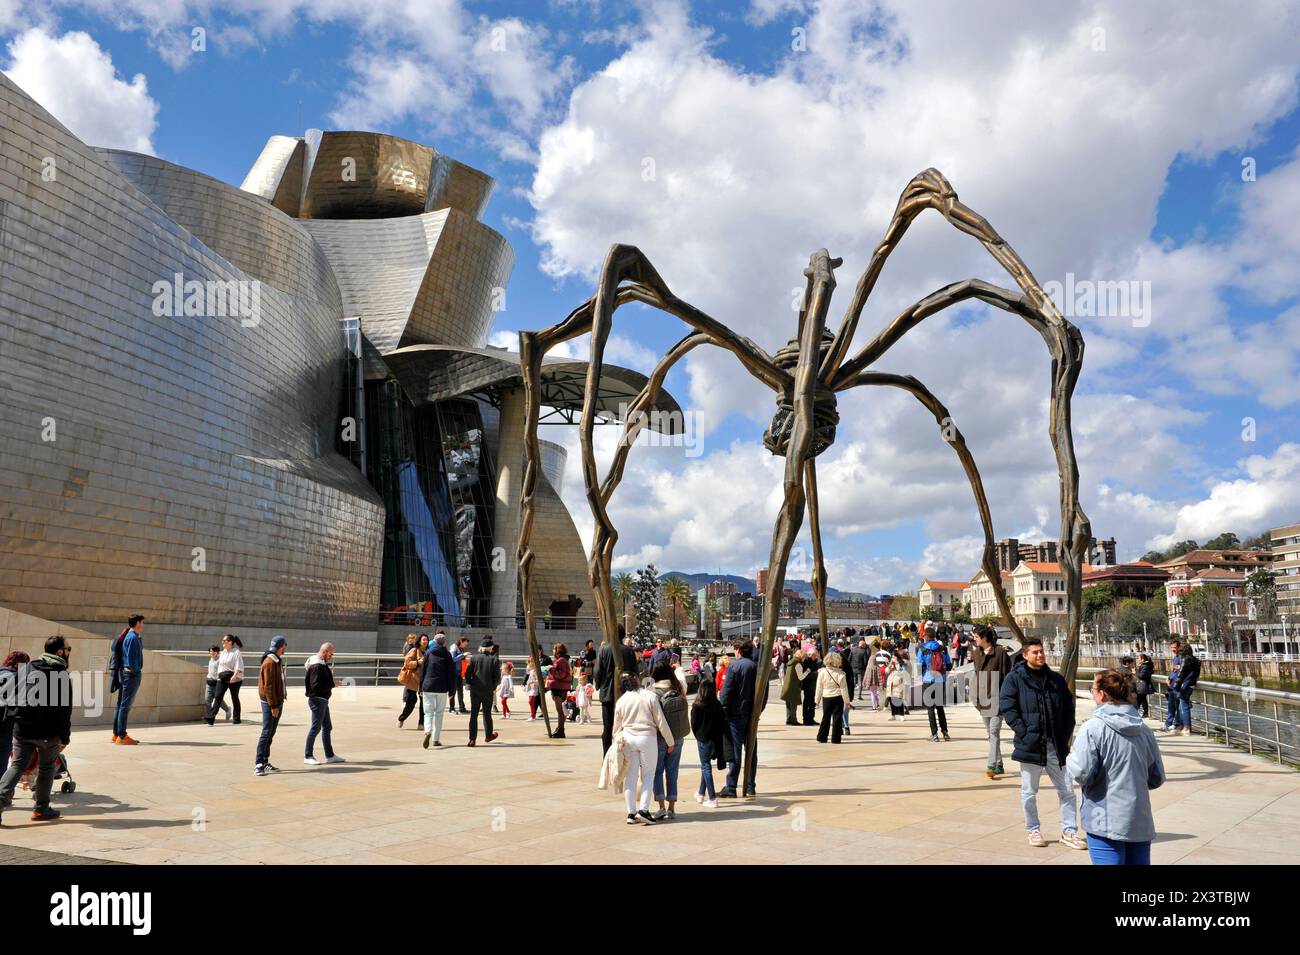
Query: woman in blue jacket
point(1116, 761)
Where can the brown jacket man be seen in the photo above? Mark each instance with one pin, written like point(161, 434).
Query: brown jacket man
point(991, 669)
point(270, 681)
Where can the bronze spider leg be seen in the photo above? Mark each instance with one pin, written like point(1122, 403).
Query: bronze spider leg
point(958, 442)
point(790, 517)
point(931, 190)
point(819, 562)
point(623, 263)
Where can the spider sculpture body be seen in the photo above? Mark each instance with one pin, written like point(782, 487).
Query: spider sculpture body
point(806, 375)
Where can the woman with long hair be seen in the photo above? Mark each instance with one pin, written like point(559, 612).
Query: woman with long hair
point(638, 723)
point(412, 660)
point(708, 723)
point(9, 713)
point(230, 677)
point(559, 681)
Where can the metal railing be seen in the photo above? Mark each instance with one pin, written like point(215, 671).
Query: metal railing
point(354, 669)
point(1262, 722)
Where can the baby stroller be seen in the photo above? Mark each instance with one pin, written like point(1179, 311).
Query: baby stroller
point(570, 708)
point(61, 771)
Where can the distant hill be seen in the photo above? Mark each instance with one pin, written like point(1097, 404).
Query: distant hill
point(747, 585)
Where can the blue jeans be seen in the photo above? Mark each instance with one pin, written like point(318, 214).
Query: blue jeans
point(666, 769)
point(1185, 710)
point(739, 730)
point(1172, 706)
point(6, 743)
point(705, 748)
point(320, 723)
point(125, 697)
point(269, 725)
point(1105, 851)
point(1031, 774)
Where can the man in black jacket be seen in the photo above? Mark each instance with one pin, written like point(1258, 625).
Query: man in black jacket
point(43, 725)
point(320, 685)
point(437, 680)
point(1189, 674)
point(483, 677)
point(1038, 705)
point(859, 660)
point(737, 699)
point(604, 680)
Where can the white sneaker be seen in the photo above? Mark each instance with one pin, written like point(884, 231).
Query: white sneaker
point(335, 759)
point(311, 761)
point(698, 797)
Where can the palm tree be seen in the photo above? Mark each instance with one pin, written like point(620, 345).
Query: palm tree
point(677, 594)
point(623, 584)
point(712, 617)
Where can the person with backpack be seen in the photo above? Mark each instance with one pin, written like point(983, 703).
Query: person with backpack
point(320, 685)
point(992, 665)
point(483, 675)
point(669, 760)
point(559, 681)
point(272, 694)
point(812, 662)
point(1189, 674)
point(1116, 760)
point(126, 663)
point(9, 703)
point(230, 676)
point(934, 670)
point(1038, 705)
point(42, 725)
point(961, 643)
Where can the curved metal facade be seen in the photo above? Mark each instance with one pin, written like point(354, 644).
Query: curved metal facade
point(132, 438)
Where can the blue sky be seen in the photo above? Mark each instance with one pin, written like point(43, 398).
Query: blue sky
point(1114, 156)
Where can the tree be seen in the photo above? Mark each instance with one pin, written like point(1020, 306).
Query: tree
point(932, 613)
point(1131, 614)
point(677, 594)
point(962, 615)
point(712, 617)
point(1261, 590)
point(904, 607)
point(623, 584)
point(1225, 541)
point(1181, 548)
point(1153, 557)
point(1260, 541)
point(1208, 603)
point(1097, 599)
point(645, 600)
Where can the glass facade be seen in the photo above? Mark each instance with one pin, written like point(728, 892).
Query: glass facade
point(471, 477)
point(403, 453)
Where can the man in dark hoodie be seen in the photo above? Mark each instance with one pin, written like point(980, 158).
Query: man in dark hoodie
point(320, 684)
point(437, 680)
point(270, 690)
point(483, 677)
point(43, 725)
point(604, 680)
point(1038, 705)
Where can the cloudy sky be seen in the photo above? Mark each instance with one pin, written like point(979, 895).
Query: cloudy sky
point(1155, 145)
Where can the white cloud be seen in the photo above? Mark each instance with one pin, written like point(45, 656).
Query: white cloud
point(73, 78)
point(727, 179)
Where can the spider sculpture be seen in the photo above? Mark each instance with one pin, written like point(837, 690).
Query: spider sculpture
point(806, 375)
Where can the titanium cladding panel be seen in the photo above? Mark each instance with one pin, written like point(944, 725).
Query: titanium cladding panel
point(130, 440)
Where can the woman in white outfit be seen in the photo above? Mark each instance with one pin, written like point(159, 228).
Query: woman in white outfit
point(638, 718)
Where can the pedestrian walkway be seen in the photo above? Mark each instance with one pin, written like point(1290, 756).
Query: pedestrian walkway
point(187, 794)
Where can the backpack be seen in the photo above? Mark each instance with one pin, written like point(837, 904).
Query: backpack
point(115, 654)
point(938, 661)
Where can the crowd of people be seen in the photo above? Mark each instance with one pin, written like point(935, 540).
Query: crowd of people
point(1113, 757)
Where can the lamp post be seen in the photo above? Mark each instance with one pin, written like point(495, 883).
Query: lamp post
point(1286, 646)
point(1205, 632)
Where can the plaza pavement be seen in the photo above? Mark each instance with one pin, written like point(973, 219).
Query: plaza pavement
point(887, 795)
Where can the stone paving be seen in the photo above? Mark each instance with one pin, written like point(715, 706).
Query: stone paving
point(885, 796)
